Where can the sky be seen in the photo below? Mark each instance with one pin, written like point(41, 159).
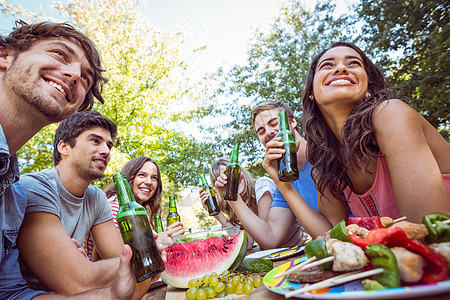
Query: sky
point(224, 26)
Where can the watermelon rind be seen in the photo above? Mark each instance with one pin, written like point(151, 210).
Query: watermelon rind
point(195, 259)
point(241, 254)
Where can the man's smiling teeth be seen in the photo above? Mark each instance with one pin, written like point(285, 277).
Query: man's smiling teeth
point(340, 81)
point(54, 84)
point(99, 161)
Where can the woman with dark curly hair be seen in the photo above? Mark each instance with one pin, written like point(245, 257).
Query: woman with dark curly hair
point(370, 152)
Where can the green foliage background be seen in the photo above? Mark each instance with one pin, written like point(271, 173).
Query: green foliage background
point(418, 33)
point(147, 84)
point(152, 99)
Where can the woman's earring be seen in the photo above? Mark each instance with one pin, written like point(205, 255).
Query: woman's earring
point(368, 95)
point(311, 97)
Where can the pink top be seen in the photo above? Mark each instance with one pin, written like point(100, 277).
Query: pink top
point(379, 200)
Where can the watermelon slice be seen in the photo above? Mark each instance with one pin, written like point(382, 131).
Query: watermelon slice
point(195, 259)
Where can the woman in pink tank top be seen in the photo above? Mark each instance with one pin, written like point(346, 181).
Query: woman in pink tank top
point(371, 154)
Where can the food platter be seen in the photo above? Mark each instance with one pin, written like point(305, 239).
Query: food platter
point(351, 290)
point(277, 254)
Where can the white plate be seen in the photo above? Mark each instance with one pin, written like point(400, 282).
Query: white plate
point(273, 254)
point(351, 290)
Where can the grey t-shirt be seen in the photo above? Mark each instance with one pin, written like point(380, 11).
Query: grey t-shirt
point(78, 215)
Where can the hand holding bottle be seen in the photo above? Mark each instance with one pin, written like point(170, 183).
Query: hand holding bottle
point(124, 285)
point(165, 239)
point(204, 196)
point(175, 229)
point(273, 153)
point(221, 182)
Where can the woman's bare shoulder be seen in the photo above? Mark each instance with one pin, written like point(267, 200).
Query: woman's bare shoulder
point(395, 120)
point(395, 114)
point(393, 107)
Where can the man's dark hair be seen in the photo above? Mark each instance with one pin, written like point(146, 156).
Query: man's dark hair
point(25, 35)
point(69, 129)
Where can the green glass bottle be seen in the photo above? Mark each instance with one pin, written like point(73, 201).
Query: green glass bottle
point(233, 173)
point(211, 203)
point(158, 224)
point(287, 164)
point(136, 231)
point(173, 214)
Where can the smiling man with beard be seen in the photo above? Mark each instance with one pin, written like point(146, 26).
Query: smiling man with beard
point(63, 206)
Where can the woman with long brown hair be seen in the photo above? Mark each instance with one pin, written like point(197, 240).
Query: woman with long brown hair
point(144, 177)
point(372, 154)
point(369, 150)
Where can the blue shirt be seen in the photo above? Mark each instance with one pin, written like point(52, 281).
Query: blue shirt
point(305, 187)
point(12, 209)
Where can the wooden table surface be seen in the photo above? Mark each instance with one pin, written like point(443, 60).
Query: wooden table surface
point(164, 292)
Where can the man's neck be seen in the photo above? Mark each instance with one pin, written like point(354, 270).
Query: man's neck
point(19, 125)
point(70, 179)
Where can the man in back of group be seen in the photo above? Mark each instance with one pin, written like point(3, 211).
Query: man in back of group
point(300, 196)
point(281, 228)
point(48, 71)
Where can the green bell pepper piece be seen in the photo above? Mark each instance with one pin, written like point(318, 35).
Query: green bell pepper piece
point(369, 284)
point(437, 231)
point(340, 232)
point(382, 257)
point(318, 248)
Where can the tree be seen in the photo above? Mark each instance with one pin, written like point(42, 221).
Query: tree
point(147, 87)
point(276, 70)
point(411, 41)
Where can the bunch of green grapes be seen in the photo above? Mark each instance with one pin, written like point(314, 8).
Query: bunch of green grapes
point(217, 286)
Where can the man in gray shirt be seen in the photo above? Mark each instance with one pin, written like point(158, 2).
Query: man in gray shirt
point(63, 205)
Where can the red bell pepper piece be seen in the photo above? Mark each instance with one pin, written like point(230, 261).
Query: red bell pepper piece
point(366, 222)
point(437, 268)
point(376, 236)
